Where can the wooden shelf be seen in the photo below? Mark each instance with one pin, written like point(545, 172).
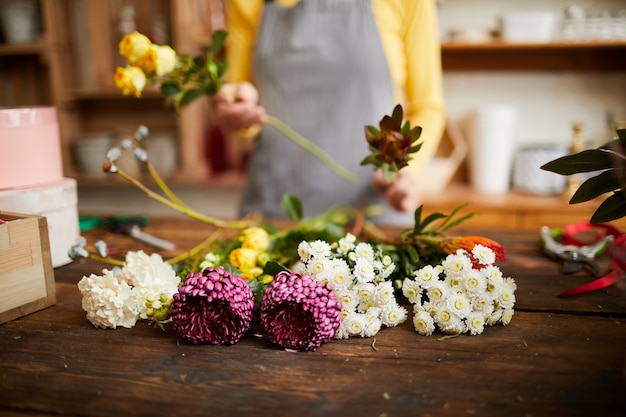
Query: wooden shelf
point(17, 49)
point(553, 56)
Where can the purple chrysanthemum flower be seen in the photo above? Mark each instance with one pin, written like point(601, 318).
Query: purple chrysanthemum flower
point(213, 307)
point(299, 312)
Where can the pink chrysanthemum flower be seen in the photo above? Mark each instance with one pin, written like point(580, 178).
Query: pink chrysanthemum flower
point(213, 307)
point(299, 312)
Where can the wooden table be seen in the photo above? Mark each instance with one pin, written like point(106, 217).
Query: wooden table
point(558, 357)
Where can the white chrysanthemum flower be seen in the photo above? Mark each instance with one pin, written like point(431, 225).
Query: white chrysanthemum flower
point(507, 316)
point(151, 277)
point(474, 282)
point(438, 292)
point(363, 270)
point(109, 302)
point(443, 317)
point(373, 313)
point(459, 304)
point(456, 264)
point(340, 275)
point(364, 250)
point(304, 251)
point(346, 243)
point(492, 273)
point(384, 293)
point(483, 304)
point(393, 314)
point(349, 299)
point(372, 326)
point(506, 297)
point(453, 282)
point(319, 249)
point(318, 268)
point(355, 324)
point(454, 326)
point(365, 291)
point(341, 333)
point(366, 305)
point(423, 322)
point(495, 317)
point(427, 276)
point(352, 256)
point(476, 322)
point(510, 283)
point(412, 291)
point(484, 254)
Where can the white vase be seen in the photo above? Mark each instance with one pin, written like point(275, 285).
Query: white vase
point(492, 143)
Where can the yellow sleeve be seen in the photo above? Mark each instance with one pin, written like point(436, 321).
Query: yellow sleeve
point(409, 32)
point(242, 21)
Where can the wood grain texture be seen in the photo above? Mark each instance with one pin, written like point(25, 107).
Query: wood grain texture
point(558, 357)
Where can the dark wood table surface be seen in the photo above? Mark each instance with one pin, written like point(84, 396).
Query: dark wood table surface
point(558, 357)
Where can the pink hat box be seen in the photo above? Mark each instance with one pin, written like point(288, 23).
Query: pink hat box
point(30, 147)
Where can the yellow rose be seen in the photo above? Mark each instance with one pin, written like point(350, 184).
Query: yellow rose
point(243, 258)
point(131, 80)
point(135, 47)
point(255, 238)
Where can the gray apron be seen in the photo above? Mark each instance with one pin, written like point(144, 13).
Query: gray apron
point(320, 68)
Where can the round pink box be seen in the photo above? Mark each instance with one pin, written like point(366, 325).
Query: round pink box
point(30, 147)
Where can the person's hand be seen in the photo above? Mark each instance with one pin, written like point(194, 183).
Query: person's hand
point(403, 194)
point(235, 107)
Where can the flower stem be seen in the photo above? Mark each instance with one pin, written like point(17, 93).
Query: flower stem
point(162, 185)
point(197, 249)
point(182, 208)
point(313, 149)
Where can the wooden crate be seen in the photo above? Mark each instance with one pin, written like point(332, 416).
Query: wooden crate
point(26, 272)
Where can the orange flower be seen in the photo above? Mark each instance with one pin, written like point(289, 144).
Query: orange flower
point(467, 243)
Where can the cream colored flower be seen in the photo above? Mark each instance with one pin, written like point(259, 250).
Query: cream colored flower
point(131, 80)
point(108, 301)
point(163, 58)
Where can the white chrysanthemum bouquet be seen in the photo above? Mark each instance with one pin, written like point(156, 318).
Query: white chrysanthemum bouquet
point(465, 293)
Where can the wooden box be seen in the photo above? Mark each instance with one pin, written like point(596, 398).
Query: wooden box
point(26, 272)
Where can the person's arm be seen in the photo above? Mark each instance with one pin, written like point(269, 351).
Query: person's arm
point(410, 35)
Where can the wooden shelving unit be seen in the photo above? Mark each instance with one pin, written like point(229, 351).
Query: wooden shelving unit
point(553, 56)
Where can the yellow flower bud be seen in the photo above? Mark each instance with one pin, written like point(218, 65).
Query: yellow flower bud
point(252, 273)
point(255, 238)
point(243, 258)
point(135, 47)
point(131, 80)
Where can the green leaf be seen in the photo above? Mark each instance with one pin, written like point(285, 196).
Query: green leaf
point(417, 220)
point(613, 208)
point(217, 42)
point(169, 88)
point(272, 268)
point(292, 206)
point(595, 187)
point(397, 115)
point(430, 219)
point(189, 96)
point(585, 161)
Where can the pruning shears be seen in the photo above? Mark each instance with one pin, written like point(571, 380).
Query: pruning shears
point(573, 257)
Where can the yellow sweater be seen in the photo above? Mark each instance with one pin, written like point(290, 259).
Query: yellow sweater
point(409, 34)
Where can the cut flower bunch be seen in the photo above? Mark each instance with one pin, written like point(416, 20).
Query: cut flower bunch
point(183, 79)
point(335, 275)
